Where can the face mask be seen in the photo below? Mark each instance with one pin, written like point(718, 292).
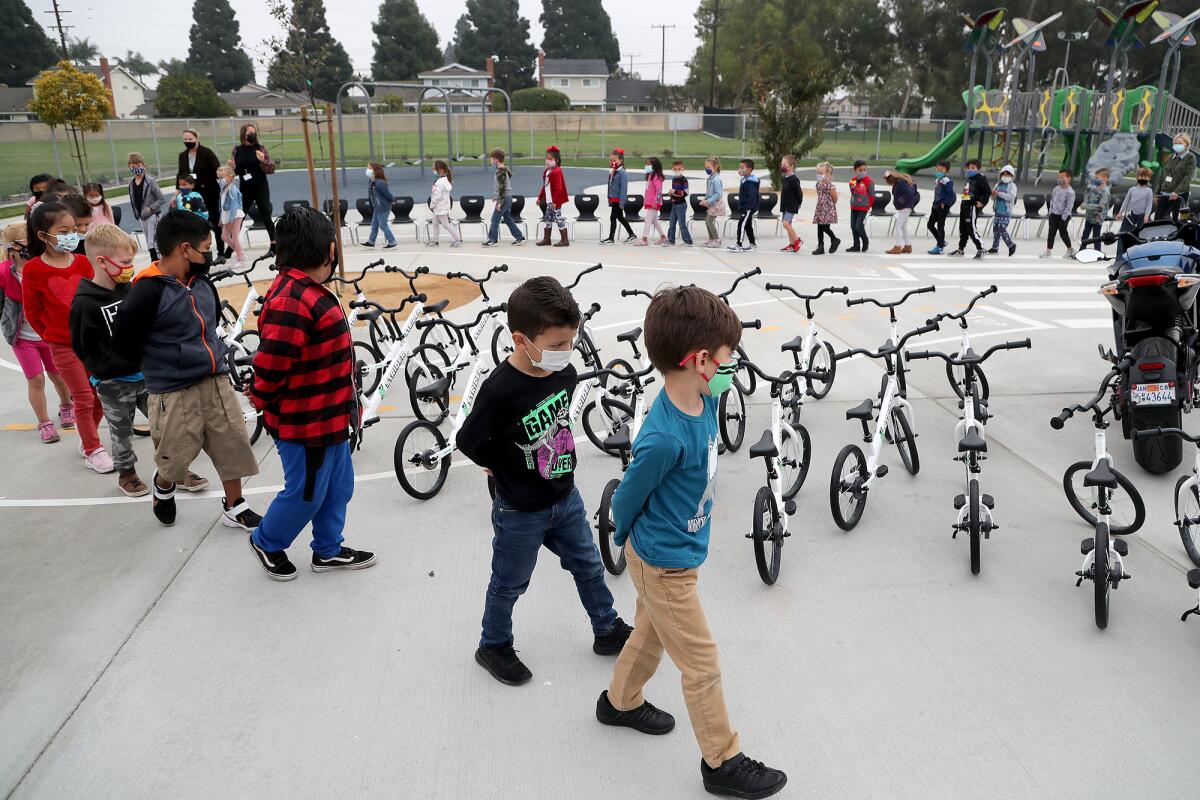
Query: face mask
point(722, 379)
point(1005, 179)
point(222, 182)
point(21, 250)
point(939, 174)
point(189, 145)
point(123, 274)
point(1179, 148)
point(200, 268)
point(251, 138)
point(138, 170)
point(370, 174)
point(37, 195)
point(95, 201)
point(550, 163)
point(66, 242)
point(785, 169)
point(552, 360)
point(648, 169)
point(971, 173)
point(1143, 181)
point(708, 170)
point(861, 174)
point(613, 164)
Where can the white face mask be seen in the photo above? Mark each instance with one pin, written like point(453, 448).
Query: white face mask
point(552, 360)
point(1005, 179)
point(370, 173)
point(95, 201)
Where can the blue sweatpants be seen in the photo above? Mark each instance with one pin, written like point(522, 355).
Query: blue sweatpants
point(318, 483)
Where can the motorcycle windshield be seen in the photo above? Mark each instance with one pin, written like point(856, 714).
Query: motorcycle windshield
point(1171, 256)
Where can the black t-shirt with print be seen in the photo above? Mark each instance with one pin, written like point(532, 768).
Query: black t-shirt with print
point(520, 430)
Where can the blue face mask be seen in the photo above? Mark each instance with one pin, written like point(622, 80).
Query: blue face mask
point(1179, 148)
point(939, 174)
point(971, 173)
point(708, 170)
point(66, 242)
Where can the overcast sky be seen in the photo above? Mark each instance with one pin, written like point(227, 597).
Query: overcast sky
point(158, 29)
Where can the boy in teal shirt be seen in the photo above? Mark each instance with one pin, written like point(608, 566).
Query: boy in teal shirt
point(663, 514)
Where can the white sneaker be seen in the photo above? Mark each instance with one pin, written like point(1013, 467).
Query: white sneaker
point(99, 460)
point(1046, 254)
point(1070, 253)
point(431, 244)
point(734, 248)
point(456, 244)
point(518, 242)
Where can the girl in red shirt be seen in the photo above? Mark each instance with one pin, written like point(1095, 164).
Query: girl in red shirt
point(47, 288)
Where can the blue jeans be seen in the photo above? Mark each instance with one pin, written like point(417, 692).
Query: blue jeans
point(318, 483)
point(503, 210)
point(679, 211)
point(564, 530)
point(379, 222)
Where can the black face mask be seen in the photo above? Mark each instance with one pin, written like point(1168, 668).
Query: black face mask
point(1143, 182)
point(37, 195)
point(333, 268)
point(200, 269)
point(190, 145)
point(251, 138)
point(22, 251)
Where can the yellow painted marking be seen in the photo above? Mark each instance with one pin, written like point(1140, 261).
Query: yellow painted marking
point(454, 398)
point(847, 316)
point(768, 328)
point(385, 407)
point(20, 426)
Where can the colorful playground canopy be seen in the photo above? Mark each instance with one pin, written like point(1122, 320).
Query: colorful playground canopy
point(984, 26)
point(1030, 32)
point(1124, 27)
point(1173, 26)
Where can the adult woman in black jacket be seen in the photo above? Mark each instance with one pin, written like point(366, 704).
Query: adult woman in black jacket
point(201, 163)
point(253, 164)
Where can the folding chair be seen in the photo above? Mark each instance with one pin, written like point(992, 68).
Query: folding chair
point(879, 210)
point(586, 205)
point(472, 206)
point(428, 222)
point(518, 205)
point(1033, 204)
point(633, 208)
point(343, 210)
point(401, 209)
point(699, 212)
point(732, 201)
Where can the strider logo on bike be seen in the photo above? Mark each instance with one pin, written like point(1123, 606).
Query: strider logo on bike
point(551, 447)
point(704, 507)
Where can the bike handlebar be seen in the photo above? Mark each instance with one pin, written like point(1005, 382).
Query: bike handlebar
point(412, 298)
point(479, 281)
point(355, 281)
point(884, 352)
point(633, 292)
point(970, 357)
point(780, 287)
point(920, 290)
point(619, 374)
point(1058, 421)
point(725, 294)
point(962, 315)
point(784, 378)
point(463, 326)
point(1147, 433)
point(579, 277)
point(756, 324)
point(591, 312)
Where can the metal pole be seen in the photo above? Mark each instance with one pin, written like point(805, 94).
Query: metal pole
point(483, 122)
point(157, 160)
point(212, 123)
point(111, 148)
point(878, 136)
point(54, 141)
point(308, 156)
point(337, 205)
point(674, 134)
point(508, 112)
point(970, 115)
point(603, 128)
point(531, 145)
point(420, 137)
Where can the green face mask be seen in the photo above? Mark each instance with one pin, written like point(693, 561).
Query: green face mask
point(722, 379)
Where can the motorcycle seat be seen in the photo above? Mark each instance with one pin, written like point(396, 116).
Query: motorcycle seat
point(1101, 476)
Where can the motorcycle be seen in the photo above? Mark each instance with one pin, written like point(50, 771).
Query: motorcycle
point(1152, 287)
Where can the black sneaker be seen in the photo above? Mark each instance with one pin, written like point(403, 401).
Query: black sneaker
point(163, 502)
point(854, 249)
point(993, 251)
point(606, 241)
point(490, 243)
point(836, 244)
point(978, 255)
point(643, 719)
point(239, 515)
point(346, 559)
point(742, 777)
point(630, 238)
point(503, 663)
point(391, 246)
point(1012, 248)
point(611, 643)
point(277, 565)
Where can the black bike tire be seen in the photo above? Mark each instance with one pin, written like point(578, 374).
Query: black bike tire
point(980, 380)
point(424, 355)
point(246, 336)
point(497, 357)
point(594, 437)
point(750, 383)
point(806, 461)
point(1139, 506)
point(1190, 534)
point(453, 336)
point(605, 530)
point(1100, 579)
point(767, 563)
point(370, 382)
point(835, 491)
point(974, 524)
point(732, 443)
point(398, 463)
point(376, 334)
point(826, 384)
point(909, 455)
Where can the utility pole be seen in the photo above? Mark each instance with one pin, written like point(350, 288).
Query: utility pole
point(662, 75)
point(712, 61)
point(62, 29)
point(631, 57)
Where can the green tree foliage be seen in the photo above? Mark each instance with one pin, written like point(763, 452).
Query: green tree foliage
point(493, 27)
point(75, 99)
point(137, 64)
point(308, 59)
point(189, 95)
point(215, 46)
point(390, 104)
point(535, 99)
point(579, 29)
point(25, 49)
point(405, 43)
point(82, 51)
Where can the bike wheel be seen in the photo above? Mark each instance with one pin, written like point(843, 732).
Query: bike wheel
point(419, 469)
point(604, 418)
point(249, 340)
point(956, 376)
point(612, 555)
point(795, 456)
point(974, 526)
point(381, 335)
point(502, 344)
point(731, 416)
point(905, 441)
point(428, 364)
point(767, 535)
point(444, 335)
point(847, 498)
point(1128, 510)
point(820, 358)
point(1189, 519)
point(366, 361)
point(744, 379)
point(1100, 576)
point(622, 388)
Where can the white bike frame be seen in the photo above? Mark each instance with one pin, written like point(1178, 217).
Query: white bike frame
point(397, 356)
point(811, 337)
point(1101, 454)
point(883, 426)
point(352, 317)
point(780, 424)
point(479, 370)
point(968, 422)
point(230, 333)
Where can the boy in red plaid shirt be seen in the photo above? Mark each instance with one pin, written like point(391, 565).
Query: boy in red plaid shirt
point(304, 386)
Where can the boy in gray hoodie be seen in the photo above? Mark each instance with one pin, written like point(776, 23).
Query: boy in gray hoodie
point(502, 198)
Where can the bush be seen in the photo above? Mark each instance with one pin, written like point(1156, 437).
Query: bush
point(540, 100)
point(189, 95)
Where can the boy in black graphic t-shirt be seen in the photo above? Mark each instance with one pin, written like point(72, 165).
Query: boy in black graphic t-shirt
point(519, 431)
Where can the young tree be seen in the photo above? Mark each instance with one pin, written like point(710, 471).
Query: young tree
point(189, 95)
point(309, 59)
point(75, 99)
point(579, 29)
point(137, 64)
point(82, 51)
point(535, 99)
point(25, 49)
point(215, 46)
point(493, 27)
point(405, 43)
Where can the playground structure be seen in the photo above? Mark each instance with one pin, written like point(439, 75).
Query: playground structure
point(1118, 128)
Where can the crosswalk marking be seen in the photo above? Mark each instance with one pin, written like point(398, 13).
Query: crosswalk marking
point(1008, 265)
point(1032, 276)
point(1034, 289)
point(1057, 305)
point(1085, 324)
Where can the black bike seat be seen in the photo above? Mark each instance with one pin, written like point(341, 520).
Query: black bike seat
point(860, 411)
point(438, 307)
point(765, 447)
point(1101, 476)
point(1194, 578)
point(972, 442)
point(371, 315)
point(434, 390)
point(794, 345)
point(630, 336)
point(619, 440)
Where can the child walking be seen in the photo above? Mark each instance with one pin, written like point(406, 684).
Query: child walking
point(943, 199)
point(439, 204)
point(1005, 195)
point(232, 214)
point(1062, 203)
point(679, 205)
point(147, 202)
point(187, 198)
point(519, 431)
point(119, 383)
point(663, 516)
point(748, 203)
point(714, 200)
point(1136, 207)
point(975, 196)
point(653, 203)
point(862, 195)
point(502, 198)
point(101, 212)
point(790, 199)
point(47, 286)
point(380, 199)
point(554, 196)
point(31, 351)
point(618, 189)
point(1095, 205)
point(825, 214)
point(904, 199)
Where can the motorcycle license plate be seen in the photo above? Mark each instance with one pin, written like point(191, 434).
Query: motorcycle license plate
point(1152, 394)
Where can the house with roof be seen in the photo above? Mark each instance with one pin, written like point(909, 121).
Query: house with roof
point(458, 80)
point(631, 95)
point(583, 80)
point(127, 92)
point(14, 104)
point(251, 100)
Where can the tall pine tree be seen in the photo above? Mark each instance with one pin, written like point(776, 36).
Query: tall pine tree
point(493, 27)
point(579, 29)
point(405, 43)
point(215, 46)
point(25, 49)
point(311, 60)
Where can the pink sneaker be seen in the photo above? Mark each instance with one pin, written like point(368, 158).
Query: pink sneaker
point(66, 416)
point(48, 432)
point(99, 460)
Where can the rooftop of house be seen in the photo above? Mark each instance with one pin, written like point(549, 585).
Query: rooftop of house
point(94, 69)
point(630, 91)
point(453, 69)
point(574, 66)
point(15, 98)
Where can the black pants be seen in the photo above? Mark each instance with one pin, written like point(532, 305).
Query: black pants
point(616, 215)
point(257, 194)
point(1091, 230)
point(1058, 226)
point(966, 226)
point(1128, 224)
point(937, 224)
point(1166, 207)
point(858, 227)
point(822, 232)
point(746, 227)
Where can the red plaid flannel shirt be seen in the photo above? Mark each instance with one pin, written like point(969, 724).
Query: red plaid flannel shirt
point(303, 369)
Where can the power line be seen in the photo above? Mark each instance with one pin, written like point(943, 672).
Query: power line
point(662, 75)
point(62, 29)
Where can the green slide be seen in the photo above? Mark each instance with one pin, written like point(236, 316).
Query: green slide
point(940, 152)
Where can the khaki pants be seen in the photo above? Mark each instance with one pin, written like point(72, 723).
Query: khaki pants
point(204, 416)
point(669, 617)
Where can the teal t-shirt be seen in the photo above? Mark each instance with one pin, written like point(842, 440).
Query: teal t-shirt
point(664, 504)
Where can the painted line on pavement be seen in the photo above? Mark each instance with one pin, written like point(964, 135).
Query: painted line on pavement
point(1033, 276)
point(9, 365)
point(986, 265)
point(1032, 323)
point(1086, 324)
point(902, 274)
point(1057, 305)
point(1037, 289)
